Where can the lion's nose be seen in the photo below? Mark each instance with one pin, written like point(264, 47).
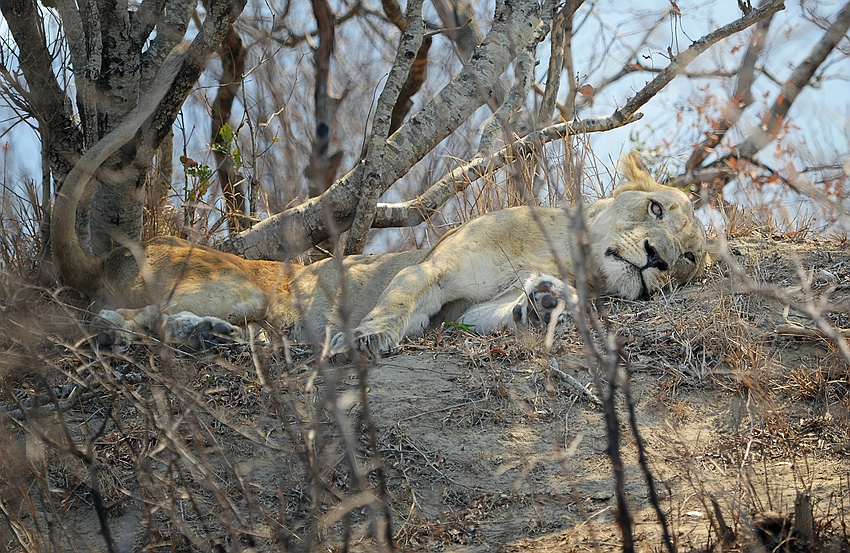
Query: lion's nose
point(653, 259)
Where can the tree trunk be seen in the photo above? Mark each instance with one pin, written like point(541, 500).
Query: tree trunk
point(232, 55)
point(114, 54)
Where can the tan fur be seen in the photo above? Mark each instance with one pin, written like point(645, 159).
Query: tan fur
point(497, 270)
point(500, 265)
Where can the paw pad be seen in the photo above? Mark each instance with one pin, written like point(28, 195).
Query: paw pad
point(542, 297)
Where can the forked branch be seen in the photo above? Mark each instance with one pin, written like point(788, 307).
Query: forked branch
point(290, 232)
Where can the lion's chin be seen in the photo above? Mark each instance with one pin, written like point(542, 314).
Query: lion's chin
point(622, 279)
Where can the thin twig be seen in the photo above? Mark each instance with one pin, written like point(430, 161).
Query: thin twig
point(575, 384)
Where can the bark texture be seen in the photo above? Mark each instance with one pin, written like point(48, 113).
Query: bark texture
point(114, 54)
point(290, 232)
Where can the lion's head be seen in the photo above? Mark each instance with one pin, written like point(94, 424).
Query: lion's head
point(645, 237)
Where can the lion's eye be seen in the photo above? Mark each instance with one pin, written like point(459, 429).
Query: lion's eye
point(656, 209)
point(691, 257)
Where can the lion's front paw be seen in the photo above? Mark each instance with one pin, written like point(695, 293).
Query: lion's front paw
point(374, 344)
point(369, 344)
point(544, 295)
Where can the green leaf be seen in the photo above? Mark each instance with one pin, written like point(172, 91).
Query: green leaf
point(462, 326)
point(220, 148)
point(226, 133)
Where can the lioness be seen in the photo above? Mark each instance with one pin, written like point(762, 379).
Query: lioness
point(497, 270)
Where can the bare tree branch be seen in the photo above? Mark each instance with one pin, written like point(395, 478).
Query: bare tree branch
point(742, 97)
point(393, 13)
point(638, 66)
point(323, 165)
point(418, 72)
point(415, 79)
point(85, 67)
point(631, 66)
point(220, 18)
point(146, 17)
point(373, 183)
point(719, 172)
point(602, 348)
point(170, 31)
point(464, 31)
point(292, 39)
point(561, 22)
point(290, 232)
point(690, 54)
point(506, 117)
point(120, 66)
point(417, 210)
point(801, 76)
point(47, 101)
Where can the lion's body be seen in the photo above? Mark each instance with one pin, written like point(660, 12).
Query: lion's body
point(176, 275)
point(640, 240)
point(488, 269)
point(321, 299)
point(499, 269)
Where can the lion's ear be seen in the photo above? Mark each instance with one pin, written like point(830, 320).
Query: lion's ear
point(636, 175)
point(712, 251)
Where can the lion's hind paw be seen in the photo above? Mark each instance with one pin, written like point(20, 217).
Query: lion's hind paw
point(544, 295)
point(186, 329)
point(110, 329)
point(200, 333)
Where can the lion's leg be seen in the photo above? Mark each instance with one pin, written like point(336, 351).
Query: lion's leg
point(197, 318)
point(415, 295)
point(122, 326)
point(236, 301)
point(493, 315)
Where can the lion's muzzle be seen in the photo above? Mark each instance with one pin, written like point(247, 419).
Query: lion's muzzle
point(653, 258)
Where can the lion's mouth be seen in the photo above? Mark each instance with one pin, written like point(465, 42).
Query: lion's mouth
point(638, 270)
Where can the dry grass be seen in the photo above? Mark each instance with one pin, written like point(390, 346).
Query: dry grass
point(177, 445)
point(261, 447)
